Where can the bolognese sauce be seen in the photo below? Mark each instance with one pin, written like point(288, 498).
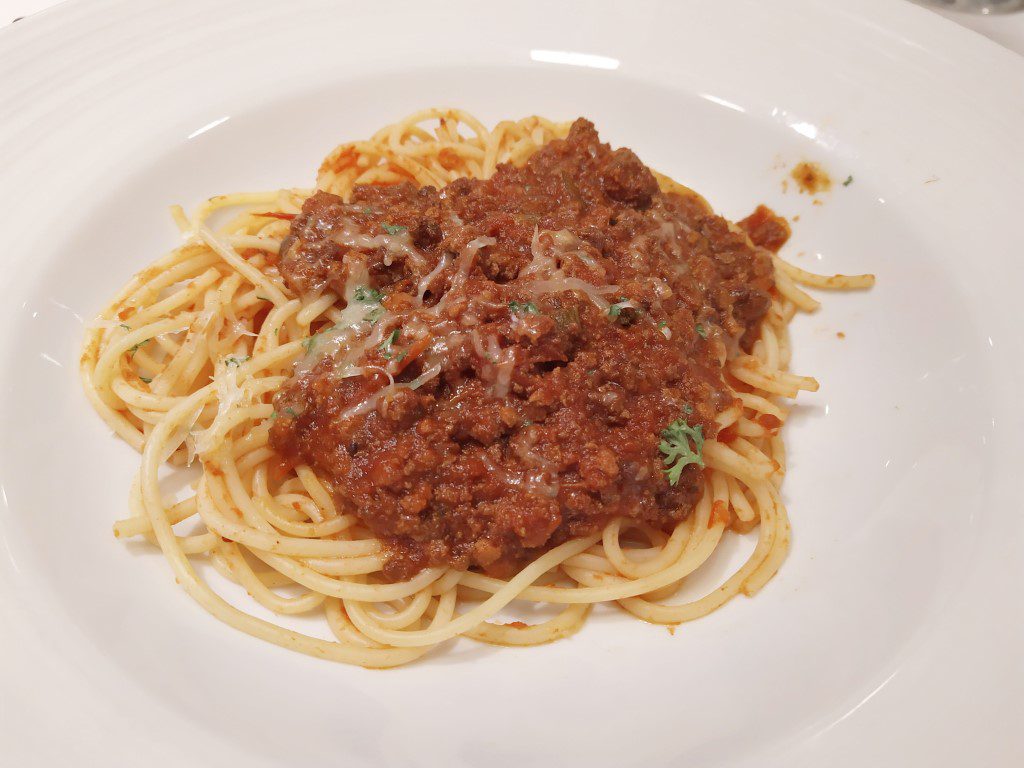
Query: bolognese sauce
point(513, 349)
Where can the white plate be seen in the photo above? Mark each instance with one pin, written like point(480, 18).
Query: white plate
point(892, 634)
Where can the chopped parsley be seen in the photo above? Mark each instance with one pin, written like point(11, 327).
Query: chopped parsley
point(310, 342)
point(387, 345)
point(523, 308)
point(146, 379)
point(848, 182)
point(687, 409)
point(662, 323)
point(373, 315)
point(125, 326)
point(235, 361)
point(368, 211)
point(262, 298)
point(616, 309)
point(133, 350)
point(675, 444)
point(701, 330)
point(393, 229)
point(291, 412)
point(368, 295)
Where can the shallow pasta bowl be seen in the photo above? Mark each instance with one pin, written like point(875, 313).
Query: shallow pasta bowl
point(890, 634)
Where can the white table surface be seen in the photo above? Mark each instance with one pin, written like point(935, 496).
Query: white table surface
point(1006, 29)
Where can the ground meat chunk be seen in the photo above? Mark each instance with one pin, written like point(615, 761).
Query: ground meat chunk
point(627, 180)
point(765, 228)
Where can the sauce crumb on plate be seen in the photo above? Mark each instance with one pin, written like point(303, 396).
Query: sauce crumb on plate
point(811, 178)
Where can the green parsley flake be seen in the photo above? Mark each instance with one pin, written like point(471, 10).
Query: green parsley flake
point(675, 444)
point(311, 341)
point(687, 409)
point(393, 229)
point(262, 298)
point(146, 379)
point(133, 350)
point(701, 330)
point(125, 326)
point(848, 182)
point(523, 308)
point(616, 309)
point(386, 345)
point(235, 361)
point(368, 295)
point(291, 412)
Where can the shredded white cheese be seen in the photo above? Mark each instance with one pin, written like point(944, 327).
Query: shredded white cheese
point(425, 283)
point(559, 284)
point(550, 250)
point(357, 319)
point(230, 395)
point(400, 244)
point(467, 256)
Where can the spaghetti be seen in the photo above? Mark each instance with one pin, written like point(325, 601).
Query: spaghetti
point(184, 362)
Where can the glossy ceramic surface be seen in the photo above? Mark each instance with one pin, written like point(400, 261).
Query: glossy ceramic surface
point(891, 635)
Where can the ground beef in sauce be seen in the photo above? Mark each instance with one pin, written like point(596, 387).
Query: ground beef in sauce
point(538, 408)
